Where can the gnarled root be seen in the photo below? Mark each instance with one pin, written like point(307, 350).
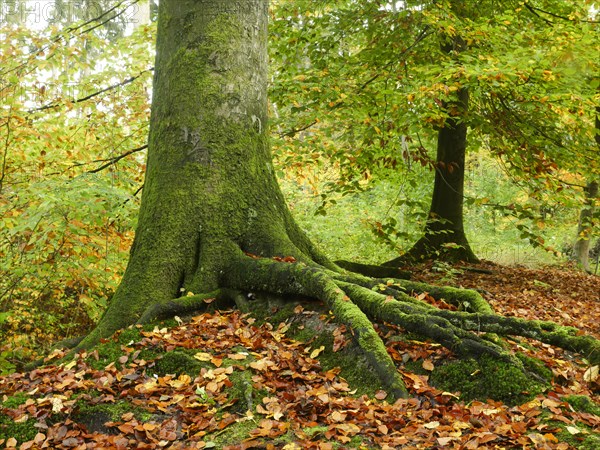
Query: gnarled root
point(220, 298)
point(300, 279)
point(356, 301)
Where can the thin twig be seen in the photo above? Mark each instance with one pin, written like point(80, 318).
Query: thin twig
point(6, 145)
point(116, 159)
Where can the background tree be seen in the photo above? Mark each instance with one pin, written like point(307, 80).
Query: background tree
point(586, 217)
point(526, 97)
point(213, 222)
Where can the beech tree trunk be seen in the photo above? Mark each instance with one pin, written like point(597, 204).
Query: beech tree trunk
point(444, 235)
point(581, 249)
point(210, 188)
point(213, 223)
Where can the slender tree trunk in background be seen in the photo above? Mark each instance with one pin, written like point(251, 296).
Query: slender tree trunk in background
point(581, 249)
point(444, 235)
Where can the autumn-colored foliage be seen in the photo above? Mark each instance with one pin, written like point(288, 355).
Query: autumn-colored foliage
point(65, 225)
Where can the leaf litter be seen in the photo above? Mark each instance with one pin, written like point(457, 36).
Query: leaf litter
point(292, 402)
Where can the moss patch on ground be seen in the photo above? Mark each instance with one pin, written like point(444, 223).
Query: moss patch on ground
point(234, 434)
point(178, 362)
point(94, 416)
point(14, 401)
point(583, 403)
point(578, 435)
point(242, 393)
point(21, 431)
point(112, 349)
point(490, 379)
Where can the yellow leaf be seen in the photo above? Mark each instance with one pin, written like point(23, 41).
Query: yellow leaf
point(428, 365)
point(261, 364)
point(444, 441)
point(291, 446)
point(450, 394)
point(337, 416)
point(70, 365)
point(182, 381)
point(591, 374)
point(203, 356)
point(57, 404)
point(317, 351)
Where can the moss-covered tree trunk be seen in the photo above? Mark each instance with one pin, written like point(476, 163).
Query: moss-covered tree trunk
point(213, 221)
point(210, 188)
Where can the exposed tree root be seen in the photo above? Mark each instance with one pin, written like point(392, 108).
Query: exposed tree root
point(376, 271)
point(463, 299)
point(422, 320)
point(187, 304)
point(357, 301)
point(551, 333)
point(300, 279)
point(425, 249)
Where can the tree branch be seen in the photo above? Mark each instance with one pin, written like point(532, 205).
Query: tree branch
point(534, 10)
point(5, 155)
point(54, 39)
point(116, 159)
point(88, 97)
point(294, 131)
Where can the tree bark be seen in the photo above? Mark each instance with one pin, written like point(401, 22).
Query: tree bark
point(210, 189)
point(581, 249)
point(444, 235)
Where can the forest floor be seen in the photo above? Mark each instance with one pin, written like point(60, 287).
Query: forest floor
point(225, 380)
point(557, 293)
